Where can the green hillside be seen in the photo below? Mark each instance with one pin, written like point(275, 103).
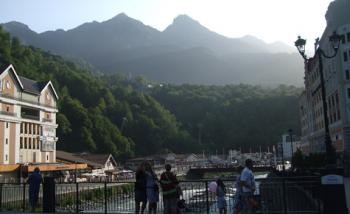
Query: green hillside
point(233, 116)
point(125, 117)
point(91, 112)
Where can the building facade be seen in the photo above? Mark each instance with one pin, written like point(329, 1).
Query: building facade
point(27, 120)
point(337, 86)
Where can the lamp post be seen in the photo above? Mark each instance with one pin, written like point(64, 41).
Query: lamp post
point(335, 41)
point(290, 131)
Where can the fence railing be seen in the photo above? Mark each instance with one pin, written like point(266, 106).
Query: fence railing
point(277, 195)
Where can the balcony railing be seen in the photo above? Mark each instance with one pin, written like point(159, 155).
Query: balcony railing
point(301, 195)
point(8, 113)
point(31, 117)
point(25, 100)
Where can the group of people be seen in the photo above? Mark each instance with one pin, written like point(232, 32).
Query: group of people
point(147, 189)
point(245, 188)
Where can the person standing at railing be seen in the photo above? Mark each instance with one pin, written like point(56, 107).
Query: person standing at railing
point(34, 181)
point(248, 186)
point(220, 193)
point(169, 184)
point(152, 189)
point(140, 189)
point(238, 205)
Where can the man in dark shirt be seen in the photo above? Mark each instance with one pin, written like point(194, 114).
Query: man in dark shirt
point(169, 184)
point(34, 182)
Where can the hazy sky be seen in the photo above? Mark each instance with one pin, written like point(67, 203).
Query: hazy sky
point(270, 20)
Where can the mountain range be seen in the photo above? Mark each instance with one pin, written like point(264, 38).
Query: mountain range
point(185, 52)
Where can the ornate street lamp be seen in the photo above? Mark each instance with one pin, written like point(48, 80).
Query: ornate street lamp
point(334, 39)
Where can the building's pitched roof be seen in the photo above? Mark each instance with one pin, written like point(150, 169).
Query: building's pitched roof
point(76, 158)
point(32, 86)
point(97, 158)
point(28, 85)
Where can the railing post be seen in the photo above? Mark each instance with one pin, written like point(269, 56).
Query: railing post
point(76, 197)
point(0, 197)
point(207, 196)
point(49, 195)
point(24, 197)
point(105, 196)
point(284, 195)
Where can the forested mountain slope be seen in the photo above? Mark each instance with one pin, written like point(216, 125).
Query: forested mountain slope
point(185, 52)
point(91, 112)
point(233, 116)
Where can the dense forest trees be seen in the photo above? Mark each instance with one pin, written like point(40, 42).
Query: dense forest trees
point(125, 117)
point(91, 112)
point(232, 116)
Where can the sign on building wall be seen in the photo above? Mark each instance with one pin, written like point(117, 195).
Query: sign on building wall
point(48, 139)
point(47, 146)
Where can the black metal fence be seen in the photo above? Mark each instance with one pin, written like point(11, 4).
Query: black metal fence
point(276, 195)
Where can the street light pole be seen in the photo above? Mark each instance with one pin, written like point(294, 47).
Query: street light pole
point(300, 44)
point(283, 166)
point(290, 131)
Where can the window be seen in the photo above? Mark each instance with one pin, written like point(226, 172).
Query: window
point(347, 74)
point(348, 92)
point(30, 143)
point(7, 141)
point(345, 56)
point(7, 125)
point(6, 157)
point(21, 143)
point(7, 108)
point(348, 36)
point(343, 39)
point(21, 127)
point(47, 157)
point(25, 143)
point(338, 112)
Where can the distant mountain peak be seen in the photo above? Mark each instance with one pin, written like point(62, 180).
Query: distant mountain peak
point(120, 16)
point(184, 23)
point(184, 19)
point(17, 25)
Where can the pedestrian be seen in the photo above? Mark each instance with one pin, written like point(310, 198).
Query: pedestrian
point(152, 189)
point(34, 181)
point(248, 186)
point(220, 193)
point(169, 184)
point(140, 189)
point(237, 205)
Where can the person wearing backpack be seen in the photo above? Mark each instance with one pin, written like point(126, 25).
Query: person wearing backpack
point(170, 189)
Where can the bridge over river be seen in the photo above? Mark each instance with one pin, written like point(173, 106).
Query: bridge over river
point(198, 173)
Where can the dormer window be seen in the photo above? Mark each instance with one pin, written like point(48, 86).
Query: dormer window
point(48, 96)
